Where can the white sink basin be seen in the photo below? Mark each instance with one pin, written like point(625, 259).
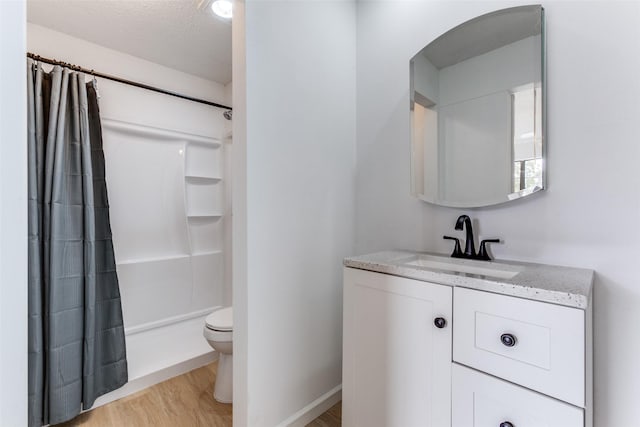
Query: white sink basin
point(457, 265)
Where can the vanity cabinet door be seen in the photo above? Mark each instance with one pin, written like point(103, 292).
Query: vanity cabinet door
point(480, 400)
point(396, 360)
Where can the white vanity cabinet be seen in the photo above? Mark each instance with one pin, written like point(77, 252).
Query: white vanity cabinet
point(498, 360)
point(396, 361)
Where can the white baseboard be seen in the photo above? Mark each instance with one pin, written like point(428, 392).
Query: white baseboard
point(314, 409)
point(137, 384)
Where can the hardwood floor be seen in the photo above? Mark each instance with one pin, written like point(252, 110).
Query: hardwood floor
point(183, 401)
point(331, 418)
point(186, 400)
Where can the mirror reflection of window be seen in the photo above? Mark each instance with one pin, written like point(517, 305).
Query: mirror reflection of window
point(527, 137)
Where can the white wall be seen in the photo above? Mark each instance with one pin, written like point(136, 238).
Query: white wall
point(295, 209)
point(13, 215)
point(171, 266)
point(587, 216)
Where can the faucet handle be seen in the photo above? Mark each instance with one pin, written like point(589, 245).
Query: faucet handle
point(457, 251)
point(482, 253)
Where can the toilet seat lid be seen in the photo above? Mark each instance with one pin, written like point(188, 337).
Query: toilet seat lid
point(220, 320)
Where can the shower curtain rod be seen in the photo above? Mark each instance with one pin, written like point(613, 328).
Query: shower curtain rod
point(124, 81)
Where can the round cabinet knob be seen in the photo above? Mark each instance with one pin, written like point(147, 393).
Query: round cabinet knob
point(508, 340)
point(506, 424)
point(440, 322)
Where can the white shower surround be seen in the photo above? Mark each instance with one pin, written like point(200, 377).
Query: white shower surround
point(166, 199)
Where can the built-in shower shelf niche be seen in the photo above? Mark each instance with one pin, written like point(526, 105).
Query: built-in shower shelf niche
point(203, 160)
point(204, 198)
point(206, 233)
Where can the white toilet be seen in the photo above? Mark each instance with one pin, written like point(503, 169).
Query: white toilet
point(218, 330)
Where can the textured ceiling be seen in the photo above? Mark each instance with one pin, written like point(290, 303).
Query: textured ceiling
point(174, 33)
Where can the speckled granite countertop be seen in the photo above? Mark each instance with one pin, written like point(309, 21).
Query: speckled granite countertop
point(566, 286)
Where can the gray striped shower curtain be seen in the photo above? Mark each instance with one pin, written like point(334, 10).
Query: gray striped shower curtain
point(76, 333)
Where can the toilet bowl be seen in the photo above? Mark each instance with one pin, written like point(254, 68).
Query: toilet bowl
point(218, 331)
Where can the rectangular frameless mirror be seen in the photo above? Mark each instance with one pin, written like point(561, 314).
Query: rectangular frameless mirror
point(477, 111)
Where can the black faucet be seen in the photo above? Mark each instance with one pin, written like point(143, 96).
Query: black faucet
point(464, 222)
point(469, 248)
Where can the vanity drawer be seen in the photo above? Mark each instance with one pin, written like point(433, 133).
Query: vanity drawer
point(479, 400)
point(548, 342)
